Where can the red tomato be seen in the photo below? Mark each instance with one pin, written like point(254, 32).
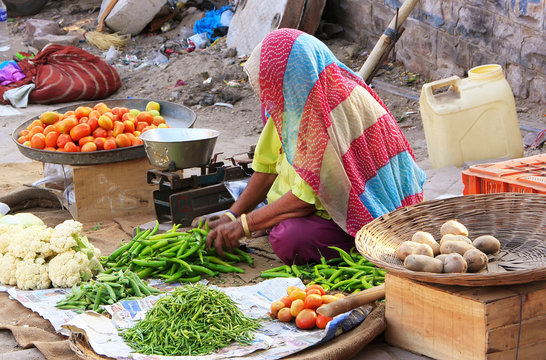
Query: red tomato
point(140, 125)
point(145, 116)
point(317, 287)
point(93, 122)
point(276, 306)
point(51, 138)
point(84, 140)
point(296, 307)
point(88, 147)
point(297, 294)
point(118, 128)
point(64, 126)
point(326, 299)
point(322, 321)
point(287, 301)
point(62, 140)
point(313, 291)
point(35, 123)
point(284, 315)
point(37, 141)
point(35, 130)
point(70, 147)
point(122, 140)
point(158, 120)
point(49, 129)
point(306, 319)
point(312, 301)
point(129, 116)
point(82, 111)
point(79, 131)
point(136, 141)
point(49, 117)
point(100, 132)
point(106, 122)
point(99, 142)
point(129, 126)
point(110, 144)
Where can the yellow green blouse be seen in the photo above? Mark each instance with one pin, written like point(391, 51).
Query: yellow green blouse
point(269, 158)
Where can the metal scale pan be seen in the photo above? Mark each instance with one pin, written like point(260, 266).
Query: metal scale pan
point(176, 116)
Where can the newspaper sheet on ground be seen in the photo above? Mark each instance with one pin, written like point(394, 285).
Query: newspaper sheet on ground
point(274, 340)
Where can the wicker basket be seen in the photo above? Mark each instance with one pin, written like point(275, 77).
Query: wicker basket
point(518, 220)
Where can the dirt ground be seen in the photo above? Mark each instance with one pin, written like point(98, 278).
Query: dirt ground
point(182, 78)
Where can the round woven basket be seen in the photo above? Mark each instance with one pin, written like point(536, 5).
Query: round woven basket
point(518, 220)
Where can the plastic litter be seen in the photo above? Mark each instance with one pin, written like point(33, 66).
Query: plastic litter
point(111, 55)
point(213, 20)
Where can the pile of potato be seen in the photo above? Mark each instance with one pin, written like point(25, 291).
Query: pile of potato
point(455, 253)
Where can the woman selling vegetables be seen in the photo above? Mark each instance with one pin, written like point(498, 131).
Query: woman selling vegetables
point(330, 158)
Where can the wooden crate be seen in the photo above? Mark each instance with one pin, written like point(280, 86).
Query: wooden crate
point(456, 322)
point(111, 190)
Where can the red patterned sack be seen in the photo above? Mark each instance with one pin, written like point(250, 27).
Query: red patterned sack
point(67, 73)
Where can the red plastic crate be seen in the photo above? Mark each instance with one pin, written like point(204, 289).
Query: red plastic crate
point(519, 175)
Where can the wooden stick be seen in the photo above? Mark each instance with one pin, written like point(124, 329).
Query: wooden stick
point(352, 301)
point(384, 40)
point(101, 26)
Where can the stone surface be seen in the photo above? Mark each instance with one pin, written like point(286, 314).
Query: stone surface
point(131, 16)
point(449, 37)
point(453, 57)
point(537, 89)
point(507, 40)
point(516, 78)
point(533, 52)
point(417, 47)
point(72, 39)
point(476, 25)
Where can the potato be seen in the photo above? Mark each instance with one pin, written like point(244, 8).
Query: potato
point(459, 247)
point(423, 263)
point(423, 249)
point(441, 257)
point(451, 237)
point(487, 244)
point(475, 259)
point(453, 227)
point(405, 249)
point(424, 237)
point(455, 263)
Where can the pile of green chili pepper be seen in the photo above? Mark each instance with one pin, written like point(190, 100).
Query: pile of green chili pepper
point(351, 272)
point(106, 290)
point(192, 320)
point(174, 256)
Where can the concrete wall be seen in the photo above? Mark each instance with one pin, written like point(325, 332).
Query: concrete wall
point(444, 38)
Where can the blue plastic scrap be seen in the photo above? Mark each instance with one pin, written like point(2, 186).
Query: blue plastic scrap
point(212, 20)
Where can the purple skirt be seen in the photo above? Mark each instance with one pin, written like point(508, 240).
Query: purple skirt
point(302, 240)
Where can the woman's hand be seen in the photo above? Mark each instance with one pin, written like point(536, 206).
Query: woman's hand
point(225, 235)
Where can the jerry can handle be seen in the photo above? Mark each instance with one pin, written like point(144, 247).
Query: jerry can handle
point(450, 81)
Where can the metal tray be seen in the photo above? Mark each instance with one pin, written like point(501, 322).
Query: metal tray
point(176, 116)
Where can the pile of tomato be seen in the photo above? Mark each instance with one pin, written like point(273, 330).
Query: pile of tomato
point(88, 129)
point(301, 305)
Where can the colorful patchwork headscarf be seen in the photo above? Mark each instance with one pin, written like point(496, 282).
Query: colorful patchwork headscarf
point(336, 132)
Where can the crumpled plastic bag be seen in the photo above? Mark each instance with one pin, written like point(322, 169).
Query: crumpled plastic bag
point(10, 72)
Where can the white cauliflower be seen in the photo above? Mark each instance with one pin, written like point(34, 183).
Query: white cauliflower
point(8, 264)
point(65, 236)
point(69, 268)
point(32, 274)
point(31, 242)
point(7, 233)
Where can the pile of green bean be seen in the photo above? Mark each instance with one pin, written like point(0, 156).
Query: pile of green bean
point(174, 256)
point(106, 290)
point(192, 320)
point(351, 272)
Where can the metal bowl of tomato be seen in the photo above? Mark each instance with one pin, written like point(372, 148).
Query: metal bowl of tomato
point(175, 115)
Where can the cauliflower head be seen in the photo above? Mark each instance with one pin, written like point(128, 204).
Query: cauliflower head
point(8, 264)
point(69, 268)
point(31, 242)
point(7, 233)
point(32, 274)
point(65, 236)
